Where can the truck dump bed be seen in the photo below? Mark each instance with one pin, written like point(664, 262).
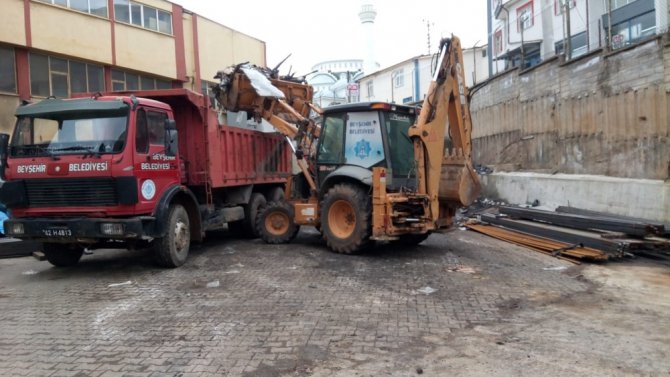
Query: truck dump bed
point(228, 156)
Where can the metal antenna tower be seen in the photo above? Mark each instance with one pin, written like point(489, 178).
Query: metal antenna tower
point(428, 25)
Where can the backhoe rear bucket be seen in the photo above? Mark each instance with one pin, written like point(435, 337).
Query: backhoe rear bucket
point(459, 183)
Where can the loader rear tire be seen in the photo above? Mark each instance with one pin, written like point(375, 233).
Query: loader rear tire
point(345, 218)
point(275, 223)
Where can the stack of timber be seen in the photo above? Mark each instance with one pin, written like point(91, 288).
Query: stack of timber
point(580, 234)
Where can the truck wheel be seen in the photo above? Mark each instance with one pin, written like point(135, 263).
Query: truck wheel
point(247, 227)
point(275, 194)
point(172, 249)
point(345, 218)
point(275, 223)
point(412, 239)
point(62, 255)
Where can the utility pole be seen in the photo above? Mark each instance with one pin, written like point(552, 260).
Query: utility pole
point(524, 17)
point(474, 63)
point(567, 44)
point(609, 25)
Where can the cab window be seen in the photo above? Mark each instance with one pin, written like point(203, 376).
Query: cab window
point(156, 126)
point(142, 132)
point(332, 141)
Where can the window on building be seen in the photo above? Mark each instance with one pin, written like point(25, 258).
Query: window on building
point(7, 70)
point(52, 76)
point(96, 7)
point(577, 43)
point(618, 3)
point(498, 42)
point(122, 81)
point(633, 30)
point(525, 17)
point(398, 78)
point(371, 89)
point(142, 15)
point(559, 6)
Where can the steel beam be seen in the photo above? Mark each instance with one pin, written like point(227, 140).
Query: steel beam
point(577, 221)
point(616, 248)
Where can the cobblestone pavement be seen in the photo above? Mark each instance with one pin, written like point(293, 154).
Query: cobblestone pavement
point(243, 308)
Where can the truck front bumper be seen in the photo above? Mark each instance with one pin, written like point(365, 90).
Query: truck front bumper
point(80, 229)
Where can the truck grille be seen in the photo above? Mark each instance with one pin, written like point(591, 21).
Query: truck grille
point(85, 192)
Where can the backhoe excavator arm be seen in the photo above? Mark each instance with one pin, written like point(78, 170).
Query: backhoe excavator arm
point(445, 177)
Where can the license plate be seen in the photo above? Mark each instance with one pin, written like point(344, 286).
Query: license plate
point(59, 232)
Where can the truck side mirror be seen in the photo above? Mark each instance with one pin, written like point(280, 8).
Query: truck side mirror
point(4, 148)
point(171, 138)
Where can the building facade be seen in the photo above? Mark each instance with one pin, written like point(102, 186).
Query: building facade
point(523, 33)
point(407, 82)
point(61, 47)
point(334, 81)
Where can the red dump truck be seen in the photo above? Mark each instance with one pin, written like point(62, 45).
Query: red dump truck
point(147, 169)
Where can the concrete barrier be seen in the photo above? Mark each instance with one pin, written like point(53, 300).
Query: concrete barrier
point(642, 198)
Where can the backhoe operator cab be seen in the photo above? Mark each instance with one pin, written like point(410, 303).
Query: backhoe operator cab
point(356, 138)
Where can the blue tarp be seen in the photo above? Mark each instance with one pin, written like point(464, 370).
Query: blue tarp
point(3, 217)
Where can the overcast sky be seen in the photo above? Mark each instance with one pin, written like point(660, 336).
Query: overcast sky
point(314, 31)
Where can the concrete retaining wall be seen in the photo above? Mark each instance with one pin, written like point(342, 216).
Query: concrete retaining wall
point(643, 198)
point(602, 114)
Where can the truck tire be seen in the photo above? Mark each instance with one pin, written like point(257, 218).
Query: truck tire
point(172, 249)
point(275, 194)
point(247, 227)
point(345, 218)
point(411, 239)
point(62, 255)
point(275, 223)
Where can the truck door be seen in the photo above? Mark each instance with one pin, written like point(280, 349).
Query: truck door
point(155, 170)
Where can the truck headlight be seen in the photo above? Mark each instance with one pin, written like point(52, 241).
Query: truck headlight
point(17, 229)
point(111, 229)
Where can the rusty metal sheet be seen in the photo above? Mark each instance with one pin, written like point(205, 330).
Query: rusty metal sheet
point(543, 245)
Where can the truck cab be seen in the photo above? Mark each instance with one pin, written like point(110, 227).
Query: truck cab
point(88, 172)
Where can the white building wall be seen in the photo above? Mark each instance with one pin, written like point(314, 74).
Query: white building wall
point(417, 74)
point(662, 15)
point(476, 65)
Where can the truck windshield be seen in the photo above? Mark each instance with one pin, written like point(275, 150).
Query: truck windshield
point(45, 136)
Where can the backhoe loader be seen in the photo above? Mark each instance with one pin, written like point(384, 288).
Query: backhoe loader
point(370, 171)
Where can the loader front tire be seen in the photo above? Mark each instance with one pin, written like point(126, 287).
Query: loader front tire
point(275, 223)
point(345, 218)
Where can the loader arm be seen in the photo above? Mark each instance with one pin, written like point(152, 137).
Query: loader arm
point(444, 172)
point(284, 104)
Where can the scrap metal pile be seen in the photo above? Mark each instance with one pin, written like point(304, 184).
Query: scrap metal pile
point(576, 234)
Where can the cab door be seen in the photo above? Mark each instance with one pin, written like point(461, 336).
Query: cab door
point(155, 170)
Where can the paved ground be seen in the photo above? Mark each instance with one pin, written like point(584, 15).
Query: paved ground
point(459, 304)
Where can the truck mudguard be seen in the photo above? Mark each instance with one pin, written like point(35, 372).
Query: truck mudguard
point(163, 208)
